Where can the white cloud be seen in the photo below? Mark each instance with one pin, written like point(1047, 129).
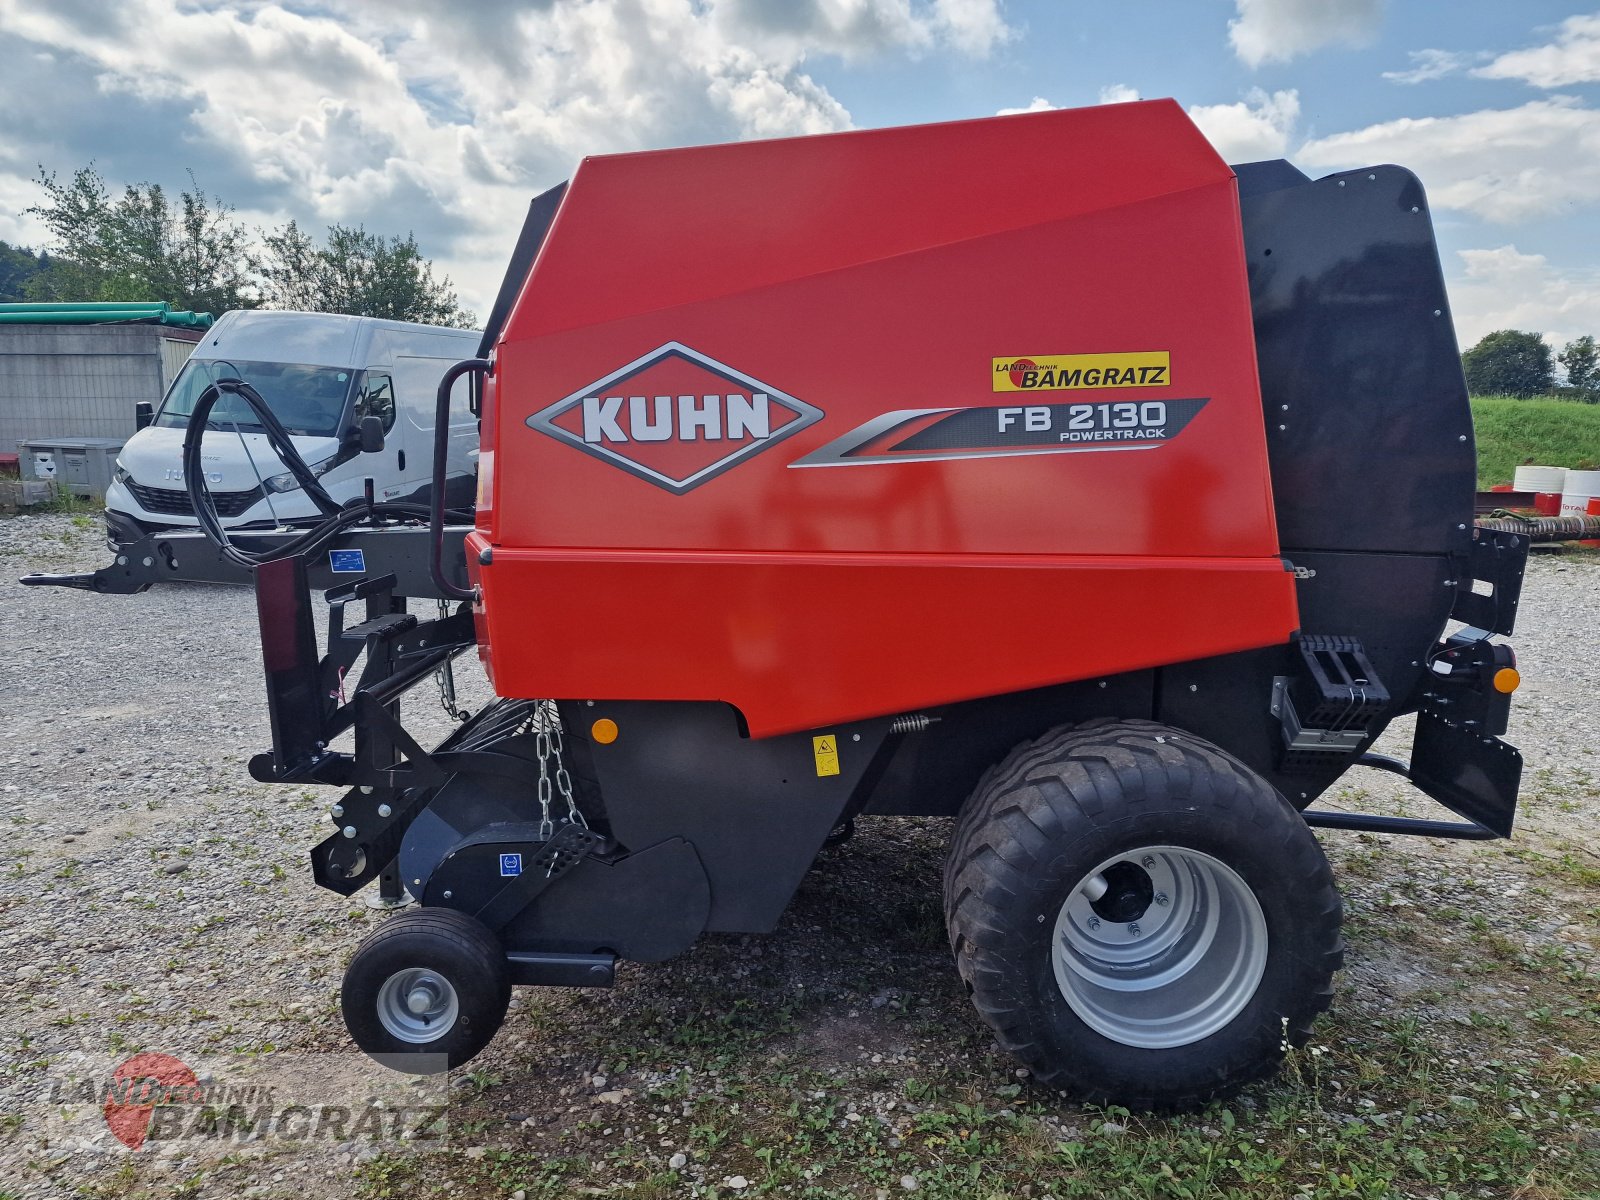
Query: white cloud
point(1255, 128)
point(1433, 64)
point(1508, 165)
point(973, 27)
point(1118, 93)
point(1279, 30)
point(855, 29)
point(410, 115)
point(17, 195)
point(1038, 104)
point(1502, 288)
point(1573, 57)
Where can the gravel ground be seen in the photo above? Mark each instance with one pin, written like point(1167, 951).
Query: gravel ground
point(153, 898)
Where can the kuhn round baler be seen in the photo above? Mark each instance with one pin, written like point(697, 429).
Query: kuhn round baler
point(1043, 472)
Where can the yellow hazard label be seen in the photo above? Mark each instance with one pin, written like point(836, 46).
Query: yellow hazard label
point(826, 751)
point(1071, 372)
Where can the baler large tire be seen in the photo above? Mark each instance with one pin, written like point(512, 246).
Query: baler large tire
point(1139, 917)
point(426, 990)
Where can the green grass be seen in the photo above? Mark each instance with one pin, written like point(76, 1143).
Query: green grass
point(1552, 433)
point(1483, 1086)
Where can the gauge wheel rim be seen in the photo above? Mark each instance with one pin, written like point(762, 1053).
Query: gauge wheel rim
point(418, 1005)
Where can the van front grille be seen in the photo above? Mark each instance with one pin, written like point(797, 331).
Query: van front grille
point(171, 503)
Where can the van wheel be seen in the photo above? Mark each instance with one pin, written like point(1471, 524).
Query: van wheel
point(1140, 918)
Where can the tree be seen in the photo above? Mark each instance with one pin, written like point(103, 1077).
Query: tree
point(357, 272)
point(195, 254)
point(18, 265)
point(1581, 360)
point(1509, 362)
point(139, 246)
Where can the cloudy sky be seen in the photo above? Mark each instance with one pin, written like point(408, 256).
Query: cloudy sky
point(445, 118)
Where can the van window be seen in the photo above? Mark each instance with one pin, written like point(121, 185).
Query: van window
point(308, 400)
point(376, 399)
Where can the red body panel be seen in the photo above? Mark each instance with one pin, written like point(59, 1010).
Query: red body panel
point(713, 522)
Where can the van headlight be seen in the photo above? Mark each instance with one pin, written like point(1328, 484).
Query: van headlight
point(122, 475)
point(288, 483)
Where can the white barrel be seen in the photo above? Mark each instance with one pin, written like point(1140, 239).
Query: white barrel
point(1580, 487)
point(1540, 479)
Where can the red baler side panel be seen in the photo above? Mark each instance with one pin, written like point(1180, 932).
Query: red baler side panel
point(652, 539)
point(806, 641)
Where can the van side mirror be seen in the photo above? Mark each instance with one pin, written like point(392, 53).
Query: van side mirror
point(144, 414)
point(369, 433)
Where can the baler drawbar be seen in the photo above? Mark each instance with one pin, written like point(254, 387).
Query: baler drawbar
point(1114, 512)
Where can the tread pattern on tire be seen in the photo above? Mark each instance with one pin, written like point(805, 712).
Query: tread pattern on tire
point(1101, 772)
point(448, 923)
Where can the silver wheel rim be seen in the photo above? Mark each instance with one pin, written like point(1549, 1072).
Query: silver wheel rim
point(1176, 972)
point(418, 1005)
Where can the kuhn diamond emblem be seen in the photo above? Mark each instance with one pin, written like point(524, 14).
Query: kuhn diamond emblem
point(675, 417)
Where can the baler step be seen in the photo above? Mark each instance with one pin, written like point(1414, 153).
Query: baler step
point(1327, 708)
point(389, 625)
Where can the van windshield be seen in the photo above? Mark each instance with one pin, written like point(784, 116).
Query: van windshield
point(308, 400)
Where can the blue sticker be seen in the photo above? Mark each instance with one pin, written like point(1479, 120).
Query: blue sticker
point(510, 864)
point(347, 562)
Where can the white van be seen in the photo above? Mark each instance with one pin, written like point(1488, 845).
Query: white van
point(321, 373)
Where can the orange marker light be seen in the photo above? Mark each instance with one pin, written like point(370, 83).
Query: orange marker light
point(1506, 680)
point(604, 730)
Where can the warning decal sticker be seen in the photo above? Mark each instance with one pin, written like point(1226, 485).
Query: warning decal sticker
point(1070, 372)
point(825, 750)
point(933, 434)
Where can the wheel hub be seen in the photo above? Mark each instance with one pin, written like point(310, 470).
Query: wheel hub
point(422, 999)
point(1129, 893)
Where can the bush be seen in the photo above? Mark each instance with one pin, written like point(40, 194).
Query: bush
point(1509, 362)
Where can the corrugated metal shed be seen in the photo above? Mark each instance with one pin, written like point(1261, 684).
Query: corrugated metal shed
point(174, 353)
point(83, 380)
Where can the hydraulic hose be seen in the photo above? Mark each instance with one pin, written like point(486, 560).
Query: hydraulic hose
point(336, 519)
point(278, 439)
point(441, 459)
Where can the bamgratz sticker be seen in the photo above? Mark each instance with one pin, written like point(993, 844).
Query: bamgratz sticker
point(1071, 372)
point(939, 434)
point(675, 417)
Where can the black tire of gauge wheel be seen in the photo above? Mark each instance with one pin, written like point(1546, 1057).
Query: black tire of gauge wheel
point(1034, 831)
point(447, 945)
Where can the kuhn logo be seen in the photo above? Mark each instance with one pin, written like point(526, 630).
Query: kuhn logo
point(675, 417)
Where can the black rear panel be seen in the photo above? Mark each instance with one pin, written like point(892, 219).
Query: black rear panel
point(1368, 427)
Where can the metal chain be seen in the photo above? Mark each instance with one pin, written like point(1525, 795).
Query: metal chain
point(563, 780)
point(548, 745)
point(542, 746)
point(445, 677)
